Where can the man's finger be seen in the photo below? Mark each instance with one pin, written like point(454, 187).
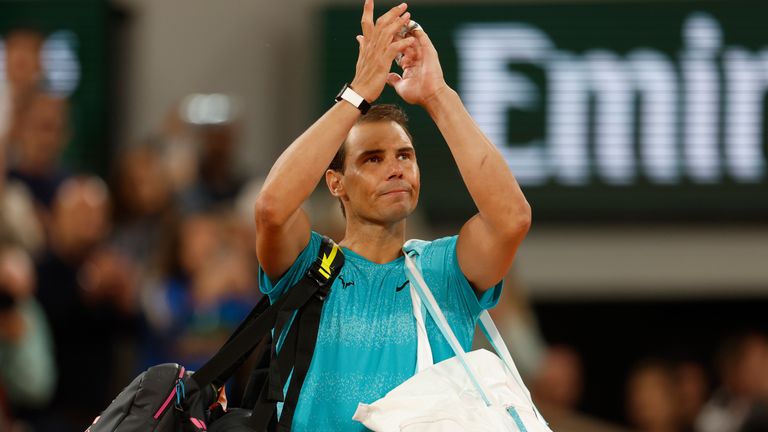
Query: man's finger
point(366, 23)
point(409, 56)
point(392, 14)
point(393, 29)
point(400, 46)
point(406, 62)
point(422, 37)
point(412, 51)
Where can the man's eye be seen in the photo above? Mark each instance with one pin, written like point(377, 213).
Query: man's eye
point(404, 156)
point(373, 159)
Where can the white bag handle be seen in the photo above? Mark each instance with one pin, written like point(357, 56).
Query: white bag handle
point(423, 291)
point(494, 337)
point(420, 291)
point(423, 349)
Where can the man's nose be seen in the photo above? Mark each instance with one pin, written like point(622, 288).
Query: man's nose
point(395, 169)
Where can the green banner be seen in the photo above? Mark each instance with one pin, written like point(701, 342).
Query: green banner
point(605, 111)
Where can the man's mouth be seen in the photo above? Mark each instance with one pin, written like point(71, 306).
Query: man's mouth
point(396, 192)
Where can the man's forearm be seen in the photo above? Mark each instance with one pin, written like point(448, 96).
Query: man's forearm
point(485, 172)
point(297, 171)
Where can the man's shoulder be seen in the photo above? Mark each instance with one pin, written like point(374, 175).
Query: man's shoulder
point(436, 256)
point(275, 287)
point(311, 250)
point(438, 245)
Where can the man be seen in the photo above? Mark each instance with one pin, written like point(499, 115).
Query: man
point(42, 135)
point(366, 343)
point(28, 375)
point(88, 295)
point(20, 54)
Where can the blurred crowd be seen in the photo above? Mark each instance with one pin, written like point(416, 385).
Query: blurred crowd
point(103, 277)
point(674, 393)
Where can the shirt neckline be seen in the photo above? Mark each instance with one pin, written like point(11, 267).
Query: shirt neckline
point(350, 253)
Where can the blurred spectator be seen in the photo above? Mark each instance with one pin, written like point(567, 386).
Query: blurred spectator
point(559, 380)
point(88, 293)
point(206, 288)
point(43, 131)
point(144, 205)
point(23, 75)
point(180, 148)
point(19, 223)
point(653, 400)
point(216, 183)
point(27, 375)
point(741, 402)
point(553, 373)
point(693, 387)
point(556, 388)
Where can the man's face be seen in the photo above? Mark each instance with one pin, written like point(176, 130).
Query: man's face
point(380, 182)
point(80, 217)
point(23, 66)
point(44, 131)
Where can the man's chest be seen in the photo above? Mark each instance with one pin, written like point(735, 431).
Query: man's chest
point(368, 308)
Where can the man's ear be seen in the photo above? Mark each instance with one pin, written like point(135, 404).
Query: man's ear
point(333, 180)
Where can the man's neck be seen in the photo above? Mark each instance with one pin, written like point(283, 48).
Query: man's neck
point(376, 243)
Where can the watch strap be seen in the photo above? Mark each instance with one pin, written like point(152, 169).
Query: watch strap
point(350, 95)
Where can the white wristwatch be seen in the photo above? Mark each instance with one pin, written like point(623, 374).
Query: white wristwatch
point(352, 97)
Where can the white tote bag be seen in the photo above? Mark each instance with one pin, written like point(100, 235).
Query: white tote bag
point(471, 392)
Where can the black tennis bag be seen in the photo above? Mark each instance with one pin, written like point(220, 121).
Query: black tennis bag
point(168, 398)
point(163, 398)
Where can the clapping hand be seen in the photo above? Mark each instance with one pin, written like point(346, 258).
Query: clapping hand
point(379, 45)
point(422, 76)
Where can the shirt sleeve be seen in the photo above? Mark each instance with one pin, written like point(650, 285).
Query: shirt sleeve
point(441, 261)
point(294, 273)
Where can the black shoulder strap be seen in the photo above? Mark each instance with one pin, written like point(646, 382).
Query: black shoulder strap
point(316, 282)
point(299, 344)
point(322, 272)
point(308, 323)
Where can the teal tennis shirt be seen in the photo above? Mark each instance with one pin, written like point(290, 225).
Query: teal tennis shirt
point(366, 344)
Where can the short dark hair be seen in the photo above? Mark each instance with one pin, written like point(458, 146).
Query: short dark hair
point(377, 113)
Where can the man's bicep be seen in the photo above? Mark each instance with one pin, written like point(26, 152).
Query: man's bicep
point(484, 257)
point(278, 247)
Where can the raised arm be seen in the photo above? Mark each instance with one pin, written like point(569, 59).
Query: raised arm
point(282, 227)
point(489, 240)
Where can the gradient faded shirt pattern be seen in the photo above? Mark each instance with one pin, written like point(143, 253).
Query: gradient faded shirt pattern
point(366, 344)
